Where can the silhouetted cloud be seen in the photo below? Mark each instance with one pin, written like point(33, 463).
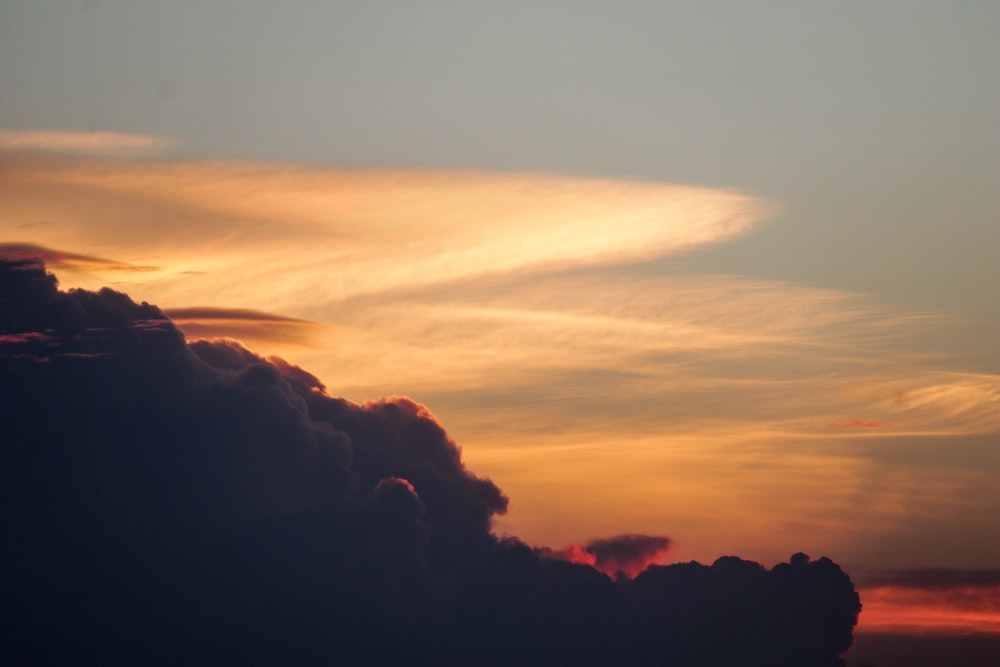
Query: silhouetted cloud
point(622, 555)
point(933, 578)
point(61, 259)
point(737, 612)
point(172, 502)
point(630, 554)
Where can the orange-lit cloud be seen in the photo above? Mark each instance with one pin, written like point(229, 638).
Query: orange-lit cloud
point(352, 232)
point(856, 423)
point(78, 142)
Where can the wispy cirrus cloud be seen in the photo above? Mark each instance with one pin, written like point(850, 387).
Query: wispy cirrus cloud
point(357, 232)
point(250, 326)
point(85, 142)
point(958, 603)
point(59, 259)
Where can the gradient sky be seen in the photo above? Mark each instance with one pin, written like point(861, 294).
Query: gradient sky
point(723, 271)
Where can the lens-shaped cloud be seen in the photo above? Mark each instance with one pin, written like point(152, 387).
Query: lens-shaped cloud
point(65, 141)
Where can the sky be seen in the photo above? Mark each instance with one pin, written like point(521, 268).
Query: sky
point(714, 270)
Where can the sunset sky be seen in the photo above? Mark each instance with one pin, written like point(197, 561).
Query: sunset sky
point(721, 271)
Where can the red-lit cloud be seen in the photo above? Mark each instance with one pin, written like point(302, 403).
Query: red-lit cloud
point(932, 601)
point(626, 555)
point(955, 610)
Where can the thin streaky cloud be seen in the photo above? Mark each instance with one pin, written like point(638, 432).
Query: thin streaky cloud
point(59, 259)
point(933, 578)
point(360, 232)
point(254, 327)
point(67, 141)
point(224, 314)
point(957, 609)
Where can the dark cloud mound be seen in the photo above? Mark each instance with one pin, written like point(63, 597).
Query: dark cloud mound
point(168, 503)
point(798, 613)
point(630, 554)
point(621, 556)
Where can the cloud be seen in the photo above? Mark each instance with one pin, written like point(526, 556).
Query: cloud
point(793, 614)
point(930, 578)
point(177, 501)
point(62, 141)
point(546, 316)
point(932, 601)
point(381, 229)
point(59, 259)
point(952, 609)
point(856, 423)
point(249, 326)
point(622, 555)
point(630, 554)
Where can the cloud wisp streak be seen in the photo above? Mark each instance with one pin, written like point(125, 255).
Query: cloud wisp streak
point(380, 229)
point(65, 141)
point(250, 326)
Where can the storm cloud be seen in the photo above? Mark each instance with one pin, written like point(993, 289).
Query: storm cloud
point(167, 502)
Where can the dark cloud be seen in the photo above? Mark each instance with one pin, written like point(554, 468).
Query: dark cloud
point(619, 556)
point(210, 313)
point(630, 554)
point(934, 578)
point(914, 650)
point(60, 259)
point(737, 612)
point(167, 502)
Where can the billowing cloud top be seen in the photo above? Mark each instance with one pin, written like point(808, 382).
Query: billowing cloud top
point(174, 502)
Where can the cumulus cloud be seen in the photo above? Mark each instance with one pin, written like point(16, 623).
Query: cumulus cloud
point(168, 502)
